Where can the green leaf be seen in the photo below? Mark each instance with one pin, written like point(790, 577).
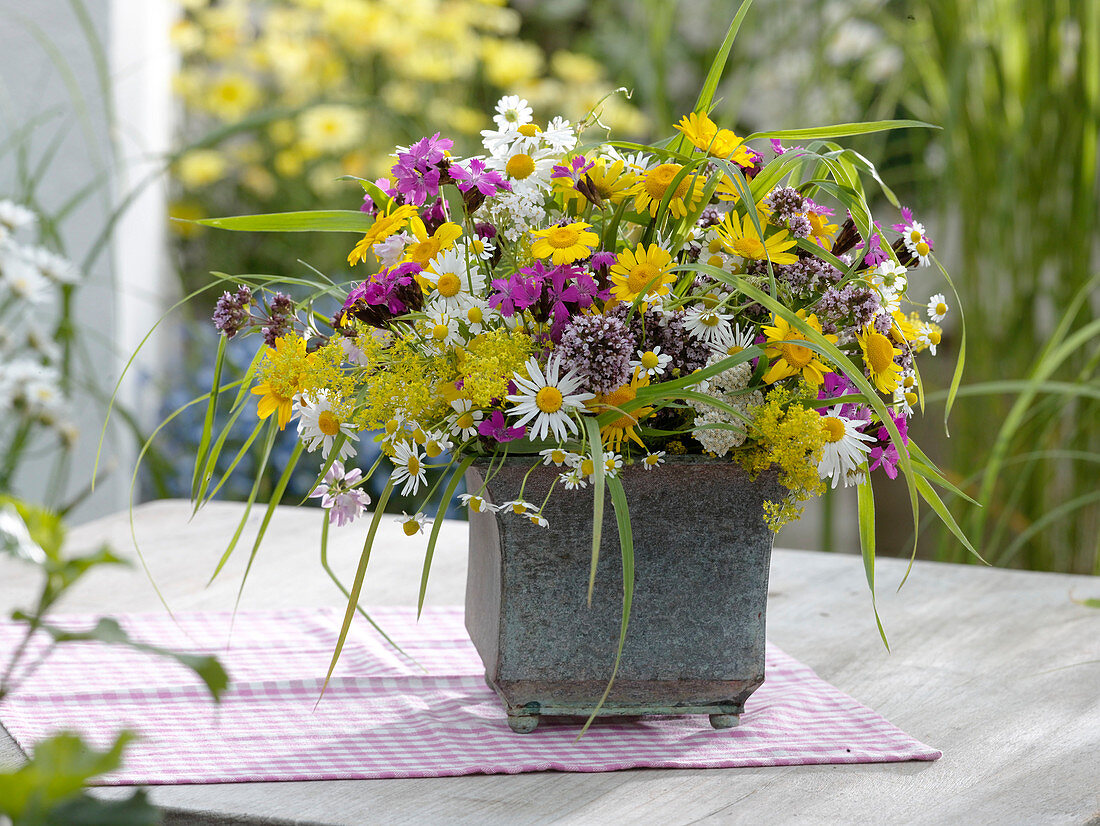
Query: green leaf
point(107, 630)
point(208, 419)
point(933, 499)
point(30, 532)
point(865, 500)
point(321, 220)
point(433, 536)
point(841, 130)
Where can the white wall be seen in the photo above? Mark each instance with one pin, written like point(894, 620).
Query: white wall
point(48, 65)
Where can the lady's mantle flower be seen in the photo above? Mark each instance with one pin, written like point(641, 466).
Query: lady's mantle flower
point(339, 495)
point(844, 449)
point(547, 399)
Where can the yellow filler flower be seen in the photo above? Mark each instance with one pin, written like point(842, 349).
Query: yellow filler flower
point(791, 357)
point(564, 245)
point(282, 372)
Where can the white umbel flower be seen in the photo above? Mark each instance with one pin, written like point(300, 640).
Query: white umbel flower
point(844, 450)
point(546, 399)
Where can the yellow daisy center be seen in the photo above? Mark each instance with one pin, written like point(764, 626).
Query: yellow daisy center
point(923, 249)
point(433, 448)
point(520, 166)
point(588, 467)
point(640, 277)
point(734, 349)
point(448, 285)
point(529, 130)
point(834, 429)
point(710, 319)
point(391, 426)
point(475, 504)
point(327, 423)
point(518, 509)
point(934, 336)
point(749, 248)
point(563, 237)
point(658, 180)
point(650, 360)
point(796, 355)
point(557, 457)
point(548, 400)
point(410, 526)
point(465, 421)
point(908, 382)
point(941, 308)
point(910, 398)
point(418, 436)
point(413, 465)
point(715, 261)
point(440, 331)
point(880, 353)
point(914, 236)
point(475, 315)
point(652, 459)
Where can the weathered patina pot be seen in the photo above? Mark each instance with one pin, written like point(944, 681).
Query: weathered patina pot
point(695, 644)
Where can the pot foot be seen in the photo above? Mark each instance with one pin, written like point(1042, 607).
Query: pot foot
point(721, 721)
point(523, 723)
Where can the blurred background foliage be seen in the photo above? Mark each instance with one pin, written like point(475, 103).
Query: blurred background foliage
point(282, 97)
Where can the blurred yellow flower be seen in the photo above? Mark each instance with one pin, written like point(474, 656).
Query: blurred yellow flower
point(200, 167)
point(575, 68)
point(232, 96)
point(510, 62)
point(332, 127)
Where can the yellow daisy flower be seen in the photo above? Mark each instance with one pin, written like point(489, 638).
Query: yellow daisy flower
point(383, 227)
point(739, 237)
point(793, 358)
point(614, 432)
point(650, 188)
point(610, 180)
point(821, 231)
point(720, 143)
point(641, 271)
point(878, 355)
point(564, 245)
point(427, 246)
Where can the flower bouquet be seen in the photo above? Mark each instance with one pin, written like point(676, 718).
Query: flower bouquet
point(599, 306)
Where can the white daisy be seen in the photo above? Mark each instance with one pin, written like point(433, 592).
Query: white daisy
point(455, 280)
point(476, 504)
point(739, 340)
point(573, 480)
point(464, 421)
point(937, 307)
point(475, 315)
point(557, 456)
point(652, 362)
point(480, 248)
point(527, 171)
point(612, 464)
point(538, 520)
point(929, 336)
point(512, 112)
point(844, 450)
point(709, 326)
point(55, 268)
point(890, 277)
point(23, 280)
point(408, 467)
point(559, 135)
point(412, 525)
point(442, 331)
point(519, 507)
point(912, 234)
point(902, 401)
point(547, 399)
point(652, 460)
point(319, 425)
point(436, 444)
point(14, 217)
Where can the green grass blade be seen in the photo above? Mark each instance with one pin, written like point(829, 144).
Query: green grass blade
point(841, 130)
point(448, 493)
point(933, 499)
point(592, 429)
point(718, 65)
point(626, 545)
point(208, 419)
point(357, 583)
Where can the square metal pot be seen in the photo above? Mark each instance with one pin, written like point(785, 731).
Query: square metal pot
point(695, 642)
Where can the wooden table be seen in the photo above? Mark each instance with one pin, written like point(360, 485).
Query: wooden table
point(999, 669)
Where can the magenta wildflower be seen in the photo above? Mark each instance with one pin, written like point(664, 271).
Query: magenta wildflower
point(835, 386)
point(514, 293)
point(777, 147)
point(475, 175)
point(906, 220)
point(495, 427)
point(885, 453)
point(602, 260)
point(416, 173)
point(573, 169)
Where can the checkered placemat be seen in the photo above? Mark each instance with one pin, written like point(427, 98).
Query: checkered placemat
point(382, 716)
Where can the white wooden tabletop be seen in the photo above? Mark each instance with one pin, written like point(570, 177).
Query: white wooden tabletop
point(999, 669)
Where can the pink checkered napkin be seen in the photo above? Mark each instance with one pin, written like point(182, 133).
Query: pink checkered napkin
point(382, 716)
